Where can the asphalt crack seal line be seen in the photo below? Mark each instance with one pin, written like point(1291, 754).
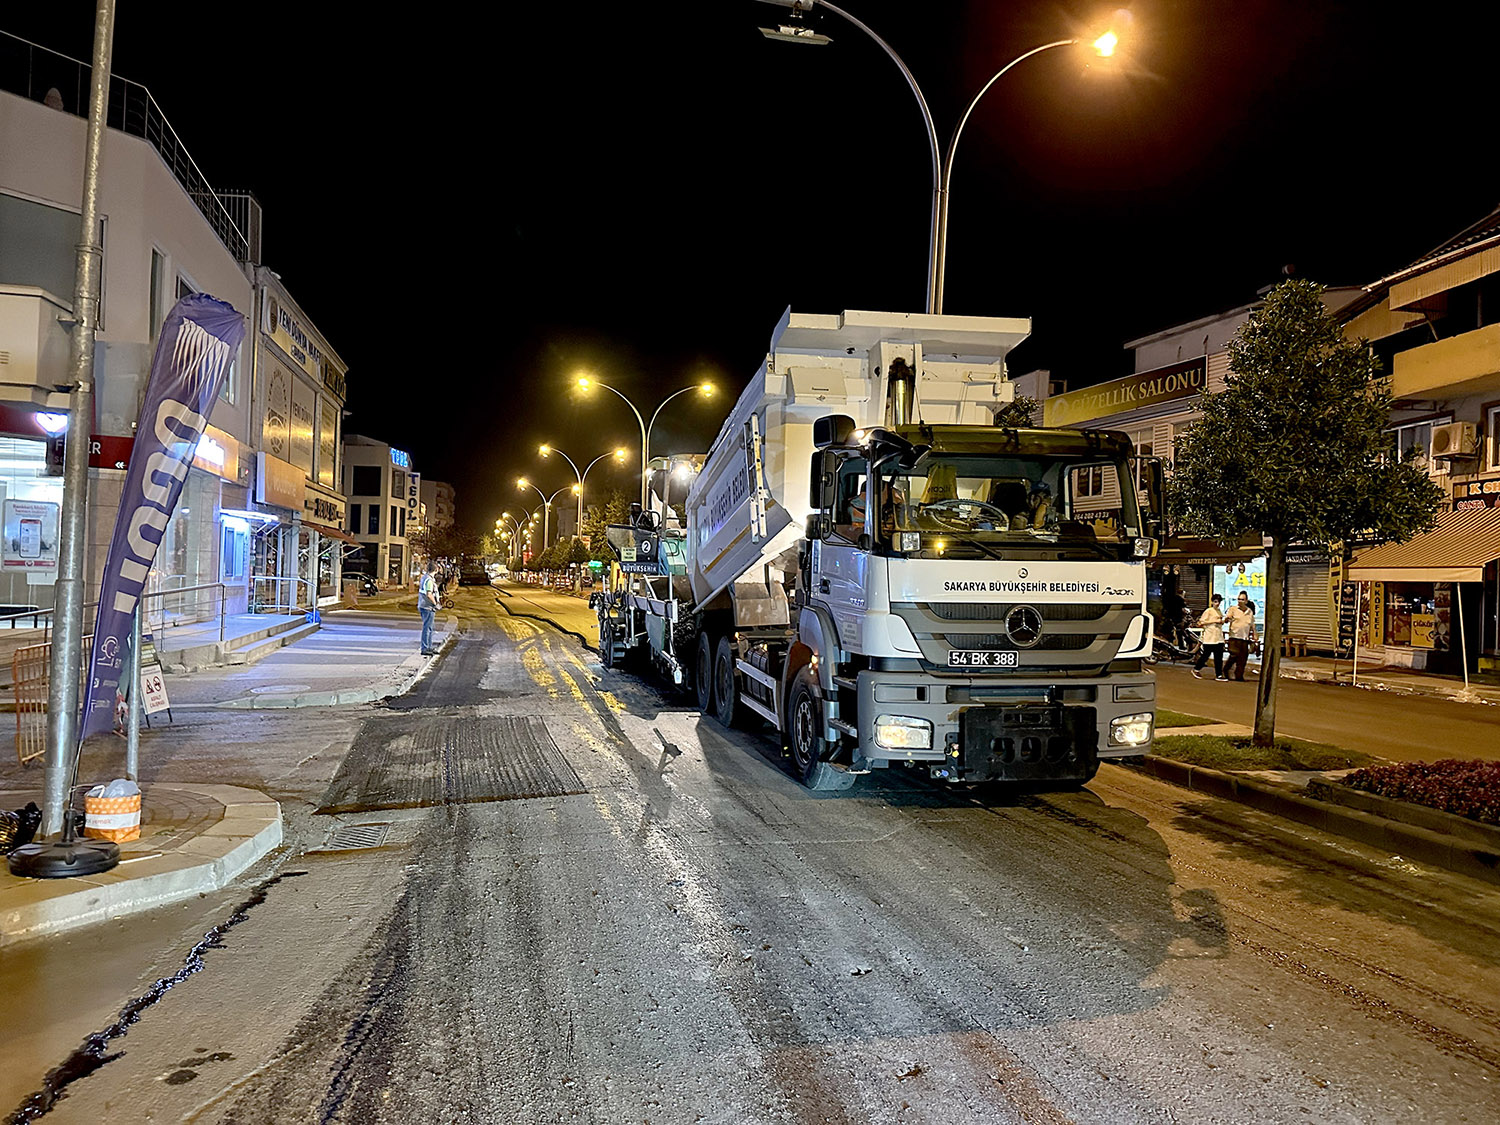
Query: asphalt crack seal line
point(90, 1056)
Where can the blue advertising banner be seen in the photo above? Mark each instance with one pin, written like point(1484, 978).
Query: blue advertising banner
point(197, 344)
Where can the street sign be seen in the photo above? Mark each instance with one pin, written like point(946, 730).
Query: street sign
point(153, 689)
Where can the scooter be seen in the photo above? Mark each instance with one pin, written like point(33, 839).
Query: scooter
point(1184, 646)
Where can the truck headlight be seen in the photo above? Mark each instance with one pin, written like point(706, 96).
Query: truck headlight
point(1130, 730)
point(898, 732)
point(1145, 548)
point(911, 541)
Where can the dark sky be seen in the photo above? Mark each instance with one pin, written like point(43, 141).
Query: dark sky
point(474, 209)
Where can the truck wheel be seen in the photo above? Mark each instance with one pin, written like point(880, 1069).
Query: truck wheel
point(703, 675)
point(606, 642)
point(727, 708)
point(805, 737)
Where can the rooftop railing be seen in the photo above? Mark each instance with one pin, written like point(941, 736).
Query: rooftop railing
point(46, 76)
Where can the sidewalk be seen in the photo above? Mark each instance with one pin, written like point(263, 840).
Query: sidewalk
point(197, 838)
point(194, 840)
point(358, 656)
point(1324, 669)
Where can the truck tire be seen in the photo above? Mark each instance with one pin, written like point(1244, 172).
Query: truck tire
point(726, 704)
point(703, 675)
point(606, 641)
point(805, 739)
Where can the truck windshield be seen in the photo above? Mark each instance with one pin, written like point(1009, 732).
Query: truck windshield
point(989, 498)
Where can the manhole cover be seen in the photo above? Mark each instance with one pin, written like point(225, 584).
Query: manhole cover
point(280, 688)
point(352, 837)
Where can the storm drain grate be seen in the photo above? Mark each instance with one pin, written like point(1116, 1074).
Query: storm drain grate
point(352, 837)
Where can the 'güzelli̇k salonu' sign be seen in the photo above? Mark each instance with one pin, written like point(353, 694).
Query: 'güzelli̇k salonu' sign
point(1180, 380)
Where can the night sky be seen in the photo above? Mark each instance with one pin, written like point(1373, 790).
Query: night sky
point(475, 209)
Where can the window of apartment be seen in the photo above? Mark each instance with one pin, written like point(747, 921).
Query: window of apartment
point(185, 288)
point(391, 527)
point(1492, 436)
point(158, 290)
point(402, 532)
point(374, 528)
point(398, 483)
point(365, 480)
point(1418, 436)
point(354, 514)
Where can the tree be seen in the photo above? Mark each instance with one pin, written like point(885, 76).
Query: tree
point(1296, 449)
point(1020, 411)
point(615, 509)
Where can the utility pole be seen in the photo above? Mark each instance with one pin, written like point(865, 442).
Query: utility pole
point(67, 618)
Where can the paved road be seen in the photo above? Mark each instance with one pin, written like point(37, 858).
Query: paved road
point(1387, 724)
point(592, 905)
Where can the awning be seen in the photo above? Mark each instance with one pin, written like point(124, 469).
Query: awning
point(331, 532)
point(1185, 550)
point(1456, 550)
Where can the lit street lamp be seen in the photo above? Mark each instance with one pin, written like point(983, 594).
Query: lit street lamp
point(707, 389)
point(522, 484)
point(942, 168)
point(617, 454)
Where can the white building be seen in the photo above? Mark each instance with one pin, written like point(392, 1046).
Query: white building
point(383, 497)
point(165, 233)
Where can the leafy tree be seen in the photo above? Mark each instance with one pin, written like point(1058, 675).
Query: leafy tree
point(578, 552)
point(1020, 411)
point(1296, 448)
point(615, 509)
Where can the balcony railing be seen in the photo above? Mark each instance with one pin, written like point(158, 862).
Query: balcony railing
point(36, 72)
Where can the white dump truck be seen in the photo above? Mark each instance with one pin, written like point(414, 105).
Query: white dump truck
point(865, 560)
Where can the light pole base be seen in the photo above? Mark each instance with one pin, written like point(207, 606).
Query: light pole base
point(62, 859)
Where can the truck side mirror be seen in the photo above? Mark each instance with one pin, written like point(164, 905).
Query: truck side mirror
point(825, 467)
point(833, 430)
point(1154, 478)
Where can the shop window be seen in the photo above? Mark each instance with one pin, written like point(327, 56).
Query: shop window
point(394, 573)
point(1410, 614)
point(354, 514)
point(235, 548)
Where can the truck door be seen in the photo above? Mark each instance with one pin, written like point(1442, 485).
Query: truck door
point(839, 562)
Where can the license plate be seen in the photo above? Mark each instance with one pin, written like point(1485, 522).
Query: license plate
point(974, 658)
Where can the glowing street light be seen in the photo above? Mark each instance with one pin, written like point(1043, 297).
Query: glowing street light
point(619, 456)
point(706, 389)
point(942, 168)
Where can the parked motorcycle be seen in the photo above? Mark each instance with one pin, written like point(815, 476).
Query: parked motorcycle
point(1185, 645)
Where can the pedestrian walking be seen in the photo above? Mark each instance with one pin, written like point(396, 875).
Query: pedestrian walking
point(1211, 621)
point(429, 601)
point(1240, 621)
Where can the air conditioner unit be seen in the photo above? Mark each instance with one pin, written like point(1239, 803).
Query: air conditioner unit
point(1456, 439)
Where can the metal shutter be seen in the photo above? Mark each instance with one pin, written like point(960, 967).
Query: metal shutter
point(1308, 613)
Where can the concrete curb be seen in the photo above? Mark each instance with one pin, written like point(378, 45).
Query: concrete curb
point(1437, 848)
point(344, 697)
point(248, 830)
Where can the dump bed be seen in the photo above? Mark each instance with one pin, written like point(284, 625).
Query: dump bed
point(747, 506)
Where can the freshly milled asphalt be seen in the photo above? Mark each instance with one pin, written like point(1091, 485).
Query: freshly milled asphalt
point(693, 937)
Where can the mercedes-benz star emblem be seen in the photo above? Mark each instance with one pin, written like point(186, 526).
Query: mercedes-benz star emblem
point(1023, 625)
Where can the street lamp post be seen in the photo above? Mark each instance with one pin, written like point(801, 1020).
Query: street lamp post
point(522, 484)
point(942, 168)
point(586, 382)
point(617, 454)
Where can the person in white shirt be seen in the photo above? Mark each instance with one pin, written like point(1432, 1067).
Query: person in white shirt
point(1212, 622)
point(1240, 621)
point(428, 602)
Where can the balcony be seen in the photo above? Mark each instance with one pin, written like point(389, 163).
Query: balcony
point(1460, 365)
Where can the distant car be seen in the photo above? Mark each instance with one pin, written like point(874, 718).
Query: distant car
point(473, 576)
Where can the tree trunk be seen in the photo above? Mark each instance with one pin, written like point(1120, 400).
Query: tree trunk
point(1270, 644)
